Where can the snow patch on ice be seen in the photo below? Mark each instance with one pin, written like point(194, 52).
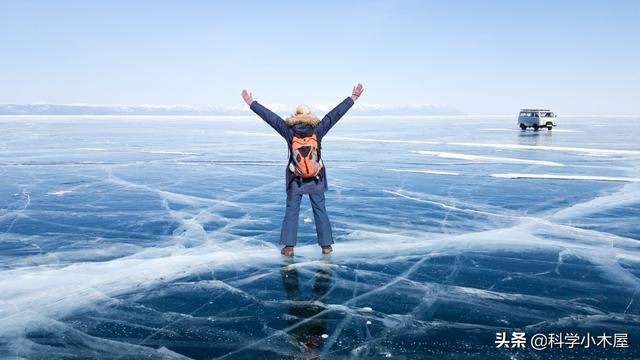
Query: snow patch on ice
point(60, 192)
point(590, 151)
point(165, 152)
point(432, 172)
point(482, 158)
point(390, 141)
point(91, 149)
point(564, 177)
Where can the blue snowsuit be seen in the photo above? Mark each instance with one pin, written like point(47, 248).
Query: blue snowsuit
point(297, 187)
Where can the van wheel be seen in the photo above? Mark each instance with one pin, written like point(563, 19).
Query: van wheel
point(535, 127)
point(549, 127)
point(523, 126)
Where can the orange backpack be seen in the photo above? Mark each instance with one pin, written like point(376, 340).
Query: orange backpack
point(305, 157)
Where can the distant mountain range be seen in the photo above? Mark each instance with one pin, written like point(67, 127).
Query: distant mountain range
point(85, 109)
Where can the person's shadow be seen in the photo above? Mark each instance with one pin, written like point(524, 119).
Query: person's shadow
point(306, 317)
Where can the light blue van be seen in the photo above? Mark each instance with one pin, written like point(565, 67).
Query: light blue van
point(536, 119)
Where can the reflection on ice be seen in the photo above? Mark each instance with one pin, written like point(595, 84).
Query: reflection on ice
point(307, 318)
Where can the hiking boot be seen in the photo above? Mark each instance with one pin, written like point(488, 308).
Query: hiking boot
point(287, 251)
point(327, 249)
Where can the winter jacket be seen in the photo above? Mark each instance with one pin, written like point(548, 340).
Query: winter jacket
point(303, 126)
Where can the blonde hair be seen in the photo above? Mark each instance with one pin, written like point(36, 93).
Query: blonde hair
point(302, 115)
point(302, 110)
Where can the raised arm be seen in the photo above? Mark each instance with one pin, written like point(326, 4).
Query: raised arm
point(271, 118)
point(338, 112)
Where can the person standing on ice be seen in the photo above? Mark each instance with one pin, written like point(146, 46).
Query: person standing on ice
point(305, 173)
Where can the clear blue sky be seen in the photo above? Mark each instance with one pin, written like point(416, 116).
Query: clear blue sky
point(482, 57)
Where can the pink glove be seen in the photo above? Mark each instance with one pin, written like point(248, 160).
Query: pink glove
point(357, 91)
point(246, 96)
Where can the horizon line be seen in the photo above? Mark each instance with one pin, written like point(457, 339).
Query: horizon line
point(249, 115)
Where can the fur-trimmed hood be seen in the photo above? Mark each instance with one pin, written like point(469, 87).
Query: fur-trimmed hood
point(304, 119)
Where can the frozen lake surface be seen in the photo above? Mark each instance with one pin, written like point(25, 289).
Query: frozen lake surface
point(141, 237)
